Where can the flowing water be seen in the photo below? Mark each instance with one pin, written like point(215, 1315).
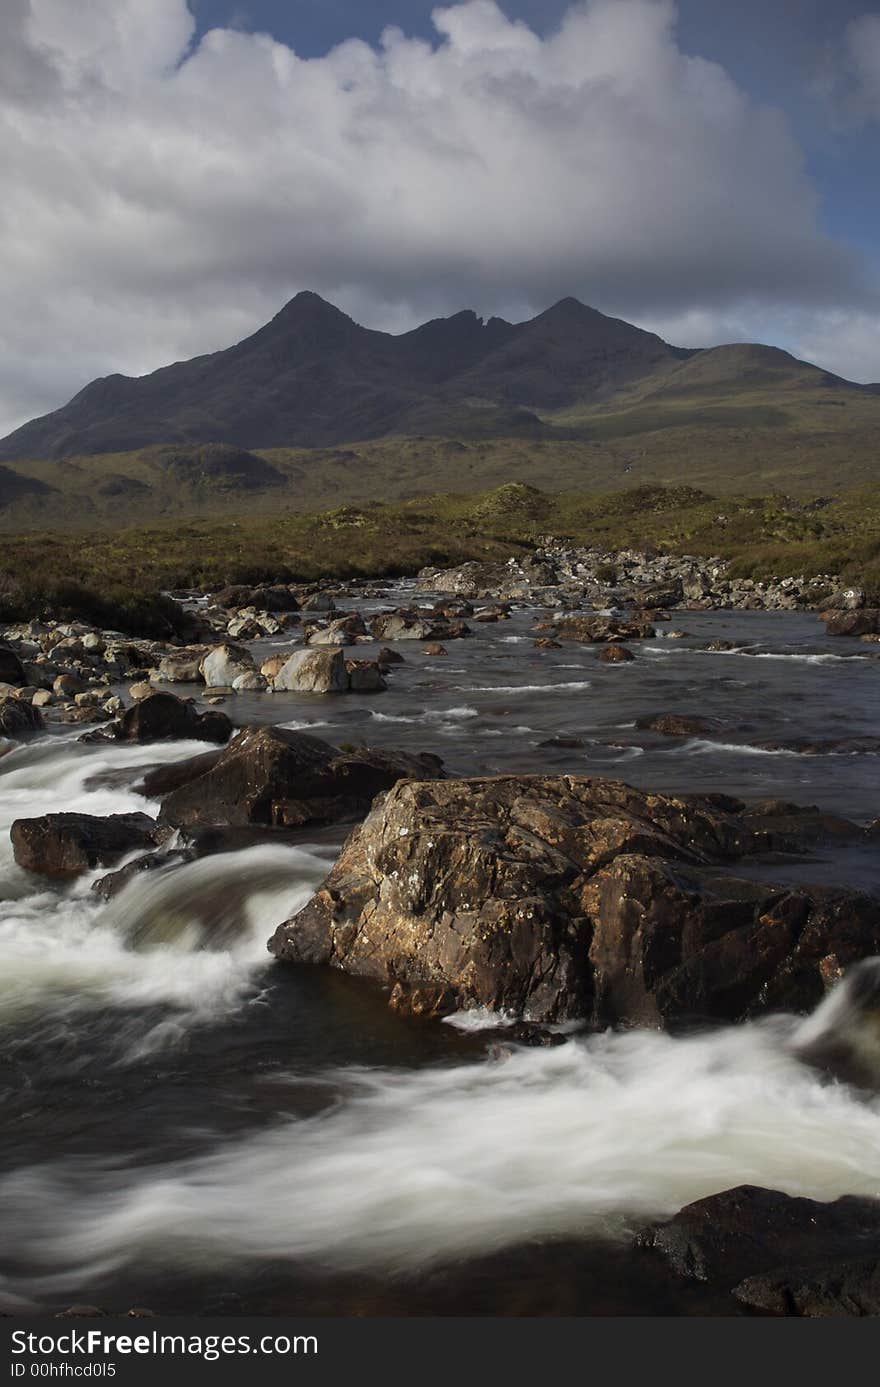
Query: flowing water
point(189, 1126)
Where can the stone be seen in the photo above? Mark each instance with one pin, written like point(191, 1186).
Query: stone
point(555, 897)
point(65, 845)
point(615, 654)
point(11, 667)
point(749, 1230)
point(365, 676)
point(313, 671)
point(165, 717)
point(224, 664)
point(677, 724)
point(19, 720)
point(182, 666)
point(279, 778)
point(859, 622)
point(435, 648)
point(68, 685)
point(604, 628)
point(251, 682)
point(389, 657)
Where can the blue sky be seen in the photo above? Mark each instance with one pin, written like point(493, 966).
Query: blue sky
point(175, 170)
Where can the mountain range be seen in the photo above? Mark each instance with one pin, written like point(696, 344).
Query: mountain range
point(569, 398)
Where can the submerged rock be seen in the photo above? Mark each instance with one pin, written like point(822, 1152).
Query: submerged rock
point(562, 896)
point(64, 845)
point(279, 778)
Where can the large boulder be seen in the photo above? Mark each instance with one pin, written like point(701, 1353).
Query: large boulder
point(561, 896)
point(19, 719)
point(313, 671)
point(224, 664)
point(278, 778)
point(11, 669)
point(64, 845)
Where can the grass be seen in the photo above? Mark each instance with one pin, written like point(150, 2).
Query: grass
point(114, 577)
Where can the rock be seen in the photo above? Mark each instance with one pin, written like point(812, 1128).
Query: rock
point(844, 1286)
point(677, 724)
point(547, 643)
point(318, 602)
point(604, 628)
point(11, 668)
point(748, 1230)
point(345, 630)
point(720, 645)
point(43, 698)
point(270, 667)
point(18, 719)
point(224, 664)
point(389, 657)
point(562, 896)
point(564, 743)
point(64, 845)
point(279, 778)
point(251, 682)
point(313, 671)
point(435, 648)
point(68, 685)
point(365, 676)
point(615, 654)
point(410, 624)
point(182, 666)
point(165, 717)
point(859, 622)
point(142, 689)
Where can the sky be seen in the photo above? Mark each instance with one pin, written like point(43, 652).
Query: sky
point(173, 172)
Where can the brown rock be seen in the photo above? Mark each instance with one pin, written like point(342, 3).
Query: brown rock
point(64, 845)
point(564, 896)
point(615, 654)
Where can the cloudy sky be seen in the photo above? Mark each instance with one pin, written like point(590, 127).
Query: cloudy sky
point(173, 172)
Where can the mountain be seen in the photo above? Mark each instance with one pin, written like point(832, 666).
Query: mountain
point(313, 377)
point(314, 410)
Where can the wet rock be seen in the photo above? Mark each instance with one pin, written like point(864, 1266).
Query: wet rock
point(389, 657)
point(605, 628)
point(182, 666)
point(564, 743)
point(280, 778)
point(313, 671)
point(365, 676)
point(746, 1231)
point(64, 845)
point(547, 643)
point(435, 648)
point(19, 719)
point(165, 717)
point(410, 624)
point(615, 654)
point(859, 622)
point(564, 896)
point(110, 885)
point(844, 1286)
point(11, 667)
point(250, 682)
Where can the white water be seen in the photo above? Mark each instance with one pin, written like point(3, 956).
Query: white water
point(412, 1168)
point(67, 950)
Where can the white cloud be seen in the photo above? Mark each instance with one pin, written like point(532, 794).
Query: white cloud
point(160, 199)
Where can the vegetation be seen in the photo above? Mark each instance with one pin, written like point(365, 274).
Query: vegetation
point(114, 577)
